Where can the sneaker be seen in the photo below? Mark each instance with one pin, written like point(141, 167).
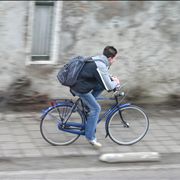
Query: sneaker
point(95, 144)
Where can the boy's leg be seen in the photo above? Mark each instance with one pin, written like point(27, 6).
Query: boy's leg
point(93, 115)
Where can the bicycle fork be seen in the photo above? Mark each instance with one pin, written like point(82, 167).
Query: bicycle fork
point(126, 125)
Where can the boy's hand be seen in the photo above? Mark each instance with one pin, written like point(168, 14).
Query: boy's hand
point(115, 79)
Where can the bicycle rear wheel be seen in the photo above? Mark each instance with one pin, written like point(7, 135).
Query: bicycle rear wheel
point(128, 125)
point(49, 125)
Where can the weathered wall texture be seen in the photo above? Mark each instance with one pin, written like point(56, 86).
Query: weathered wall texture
point(12, 41)
point(146, 35)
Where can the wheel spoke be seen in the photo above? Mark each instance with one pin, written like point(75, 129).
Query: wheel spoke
point(49, 125)
point(130, 128)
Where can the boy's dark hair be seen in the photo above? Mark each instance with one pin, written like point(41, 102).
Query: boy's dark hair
point(109, 51)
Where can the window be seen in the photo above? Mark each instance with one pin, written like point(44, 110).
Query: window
point(43, 32)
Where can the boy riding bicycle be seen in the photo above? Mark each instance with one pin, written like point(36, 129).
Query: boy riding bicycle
point(92, 80)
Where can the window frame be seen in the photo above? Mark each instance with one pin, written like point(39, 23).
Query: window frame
point(55, 41)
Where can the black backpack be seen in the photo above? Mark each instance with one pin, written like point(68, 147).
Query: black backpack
point(69, 73)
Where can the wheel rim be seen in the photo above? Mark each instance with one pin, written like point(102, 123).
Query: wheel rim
point(138, 126)
point(49, 126)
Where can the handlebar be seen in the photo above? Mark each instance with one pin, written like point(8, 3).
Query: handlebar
point(118, 92)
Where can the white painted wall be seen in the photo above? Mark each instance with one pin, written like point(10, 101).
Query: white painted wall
point(146, 35)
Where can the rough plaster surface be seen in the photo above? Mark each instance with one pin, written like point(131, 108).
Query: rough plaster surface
point(146, 35)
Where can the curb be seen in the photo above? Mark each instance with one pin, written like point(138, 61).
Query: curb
point(130, 157)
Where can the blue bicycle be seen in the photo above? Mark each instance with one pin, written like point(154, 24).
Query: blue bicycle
point(64, 121)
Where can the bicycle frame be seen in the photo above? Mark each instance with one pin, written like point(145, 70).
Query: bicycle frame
point(107, 114)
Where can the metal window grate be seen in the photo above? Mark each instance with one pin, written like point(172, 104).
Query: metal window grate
point(42, 30)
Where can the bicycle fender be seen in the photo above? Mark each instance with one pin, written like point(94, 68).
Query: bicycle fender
point(45, 111)
point(119, 106)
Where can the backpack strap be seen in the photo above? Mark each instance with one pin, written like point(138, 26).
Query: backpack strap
point(89, 59)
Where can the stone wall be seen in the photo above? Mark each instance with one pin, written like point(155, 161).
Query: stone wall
point(146, 34)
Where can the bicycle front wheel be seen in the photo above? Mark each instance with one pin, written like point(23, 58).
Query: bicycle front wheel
point(128, 125)
point(49, 125)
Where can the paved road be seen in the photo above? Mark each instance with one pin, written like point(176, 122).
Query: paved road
point(83, 167)
point(20, 136)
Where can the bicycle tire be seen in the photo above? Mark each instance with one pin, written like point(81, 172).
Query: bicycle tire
point(49, 125)
point(138, 125)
